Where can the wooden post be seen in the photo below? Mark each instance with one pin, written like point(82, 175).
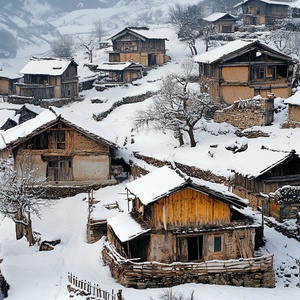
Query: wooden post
point(119, 295)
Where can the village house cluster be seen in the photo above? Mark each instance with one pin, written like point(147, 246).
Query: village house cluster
point(180, 228)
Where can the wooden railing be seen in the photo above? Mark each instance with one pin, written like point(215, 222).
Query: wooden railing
point(93, 289)
point(211, 266)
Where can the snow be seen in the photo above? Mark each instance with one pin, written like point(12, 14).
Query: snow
point(257, 163)
point(294, 99)
point(52, 67)
point(117, 66)
point(215, 16)
point(43, 275)
point(19, 131)
point(155, 185)
point(217, 53)
point(133, 229)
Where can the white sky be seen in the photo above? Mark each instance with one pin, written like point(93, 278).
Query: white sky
point(43, 275)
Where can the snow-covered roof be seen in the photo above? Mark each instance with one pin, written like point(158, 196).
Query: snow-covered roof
point(48, 66)
point(9, 74)
point(294, 99)
point(265, 1)
point(156, 184)
point(258, 163)
point(144, 32)
point(217, 53)
point(125, 227)
point(26, 128)
point(115, 66)
point(216, 16)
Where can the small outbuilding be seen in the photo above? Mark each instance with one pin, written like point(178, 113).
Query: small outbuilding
point(125, 72)
point(221, 22)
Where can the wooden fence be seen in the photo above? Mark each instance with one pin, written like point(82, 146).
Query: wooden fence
point(93, 289)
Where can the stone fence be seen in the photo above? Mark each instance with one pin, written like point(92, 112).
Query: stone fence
point(247, 272)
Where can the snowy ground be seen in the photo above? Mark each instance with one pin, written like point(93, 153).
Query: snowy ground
point(43, 275)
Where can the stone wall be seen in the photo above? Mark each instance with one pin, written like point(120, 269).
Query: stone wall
point(247, 113)
point(125, 100)
point(251, 272)
point(189, 170)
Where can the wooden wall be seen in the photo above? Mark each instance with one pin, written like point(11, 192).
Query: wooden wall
point(189, 207)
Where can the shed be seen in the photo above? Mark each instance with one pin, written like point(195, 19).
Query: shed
point(120, 71)
point(7, 80)
point(222, 22)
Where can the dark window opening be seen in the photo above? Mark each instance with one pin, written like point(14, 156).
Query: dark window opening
point(38, 142)
point(59, 139)
point(217, 244)
point(195, 247)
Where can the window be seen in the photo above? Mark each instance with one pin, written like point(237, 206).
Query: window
point(217, 244)
point(259, 72)
point(59, 139)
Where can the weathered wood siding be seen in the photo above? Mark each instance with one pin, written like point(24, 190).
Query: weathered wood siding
point(235, 74)
point(189, 207)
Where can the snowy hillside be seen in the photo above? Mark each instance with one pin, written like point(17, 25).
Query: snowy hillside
point(39, 275)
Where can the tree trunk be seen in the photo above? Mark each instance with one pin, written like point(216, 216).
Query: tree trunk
point(29, 233)
point(19, 226)
point(192, 137)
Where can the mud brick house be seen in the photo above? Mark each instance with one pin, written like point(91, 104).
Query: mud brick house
point(244, 69)
point(221, 22)
point(47, 78)
point(174, 231)
point(120, 71)
point(139, 44)
point(263, 12)
point(271, 171)
point(7, 80)
point(60, 150)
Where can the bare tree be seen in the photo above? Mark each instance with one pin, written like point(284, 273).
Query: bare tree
point(63, 46)
point(98, 31)
point(88, 46)
point(177, 107)
point(186, 19)
point(19, 195)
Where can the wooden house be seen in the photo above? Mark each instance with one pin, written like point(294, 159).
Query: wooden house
point(59, 150)
point(48, 78)
point(263, 12)
point(139, 44)
point(125, 72)
point(221, 22)
point(174, 219)
point(244, 69)
point(21, 115)
point(271, 171)
point(7, 80)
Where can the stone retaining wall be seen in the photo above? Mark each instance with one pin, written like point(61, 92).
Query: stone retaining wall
point(251, 272)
